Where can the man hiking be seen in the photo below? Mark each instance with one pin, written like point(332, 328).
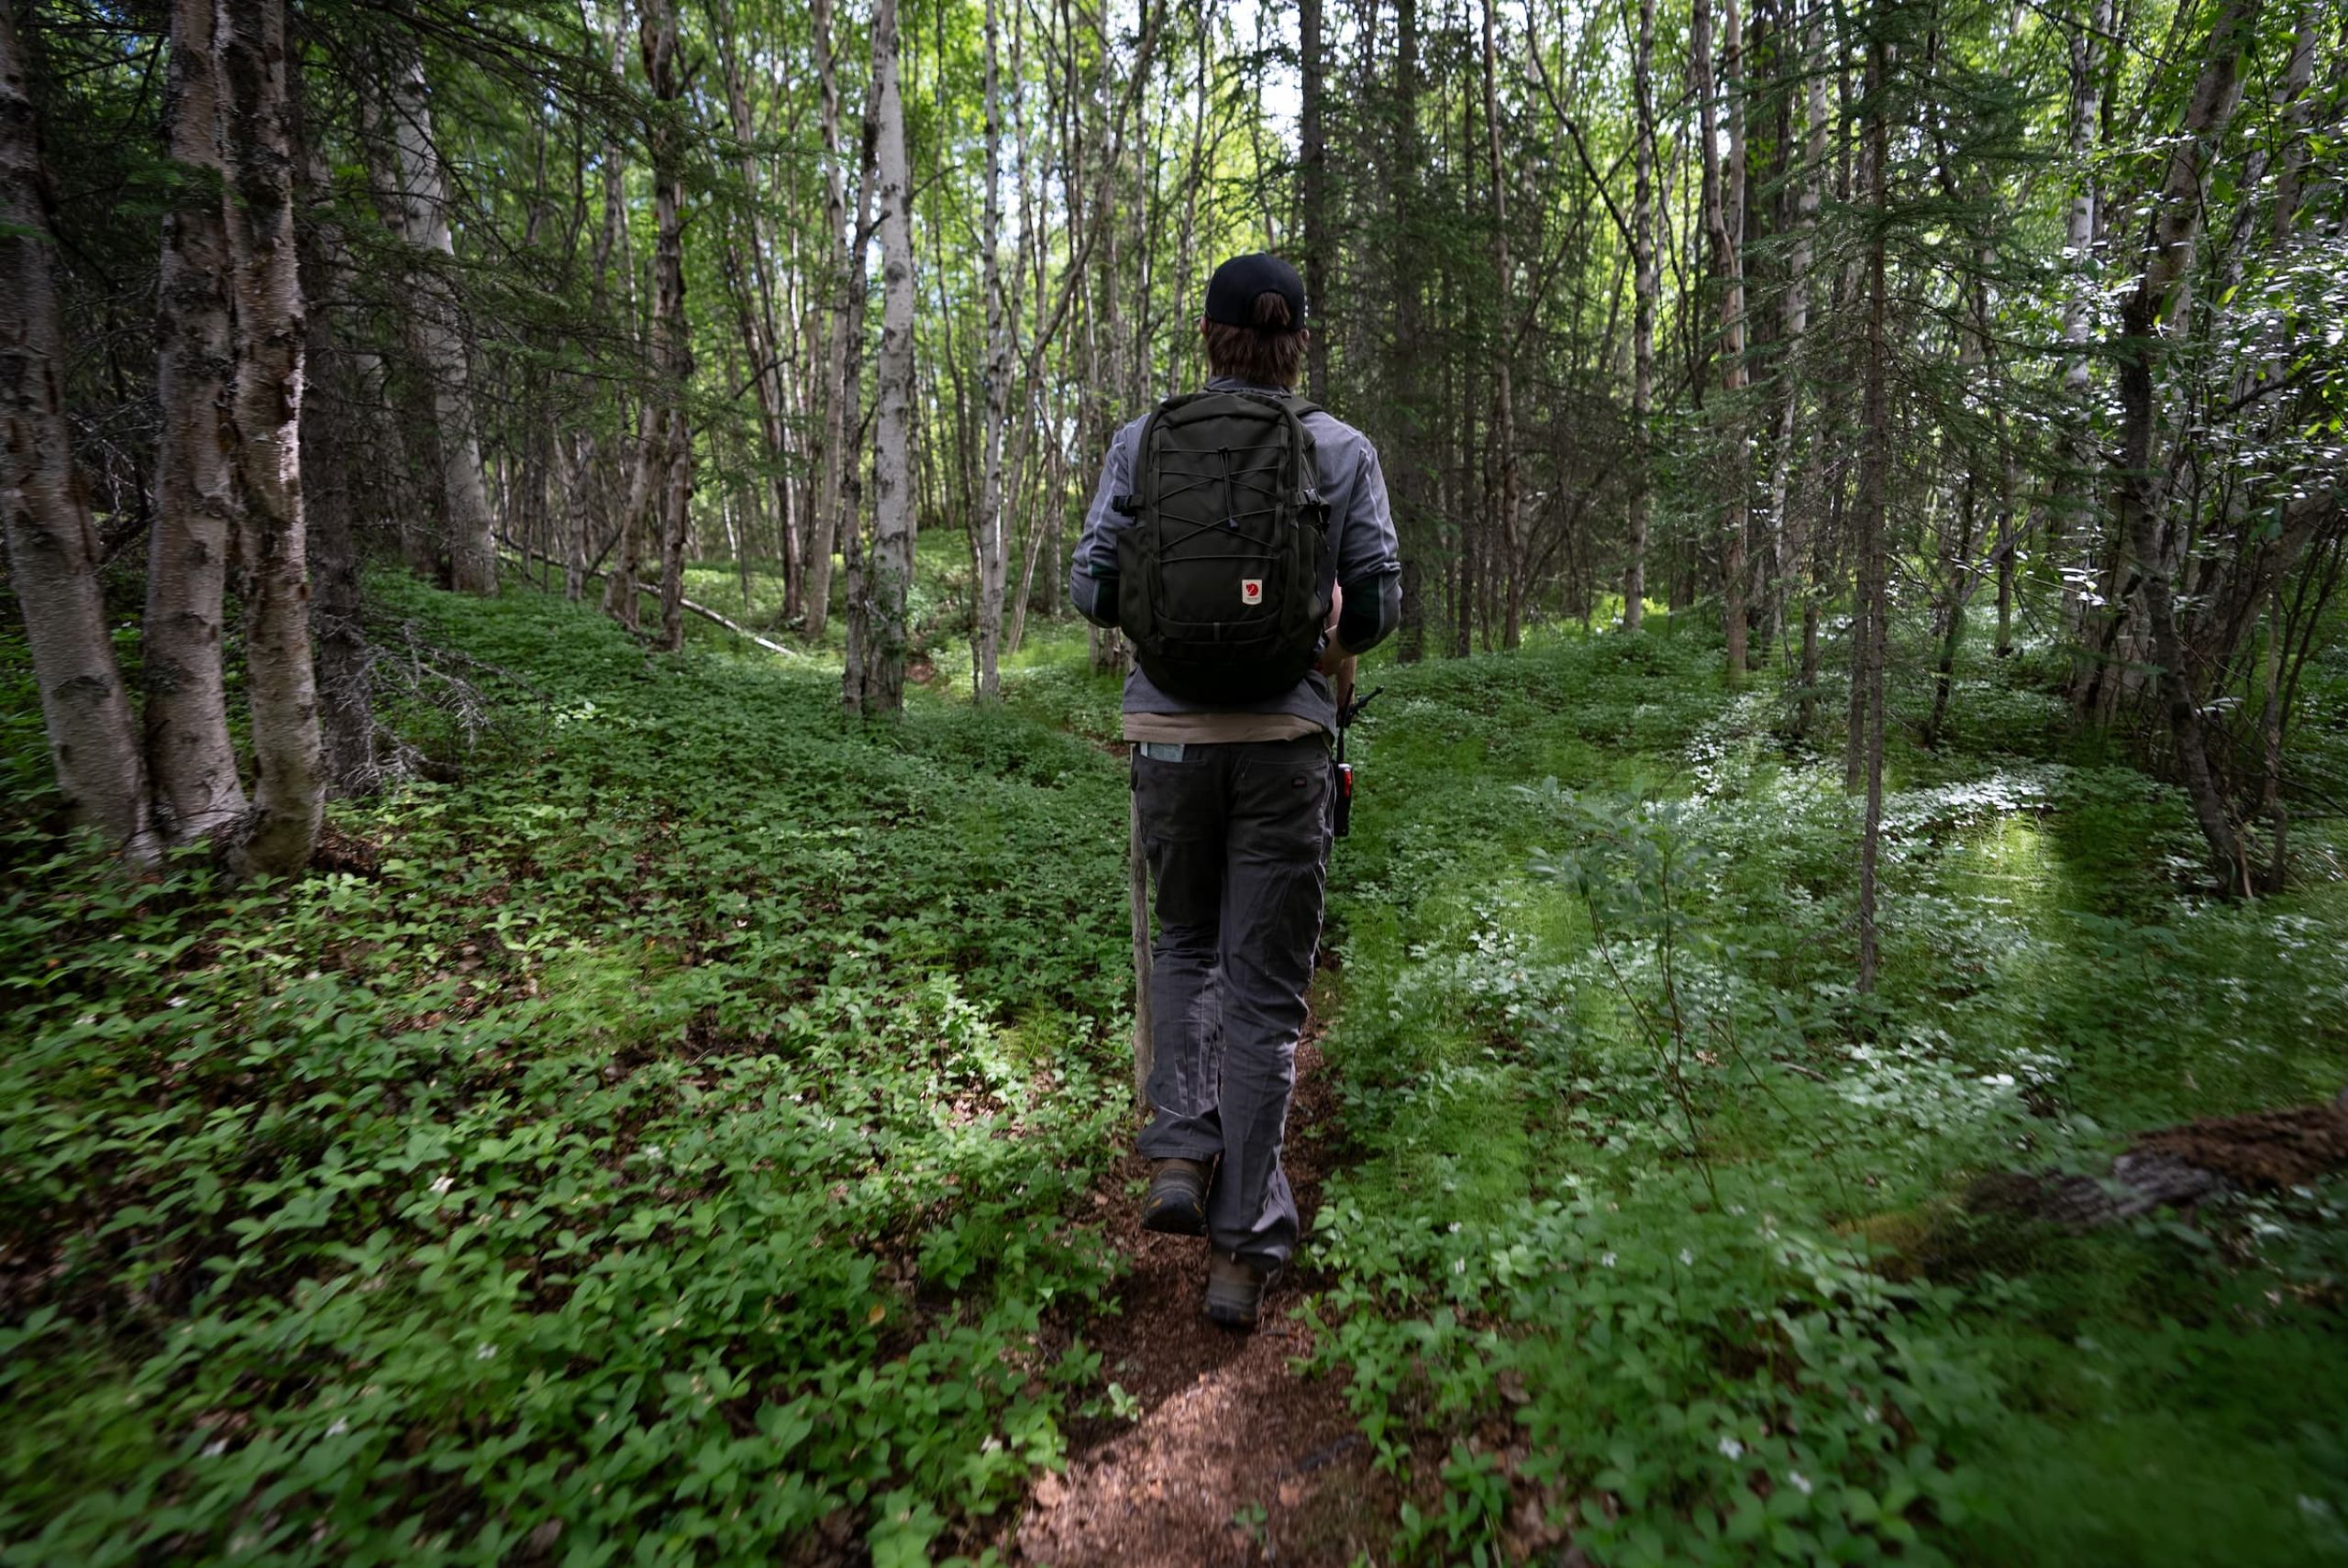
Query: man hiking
point(1240, 536)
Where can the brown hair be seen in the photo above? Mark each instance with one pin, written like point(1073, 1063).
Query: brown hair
point(1268, 353)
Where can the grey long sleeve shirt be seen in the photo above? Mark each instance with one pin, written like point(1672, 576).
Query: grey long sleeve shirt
point(1361, 540)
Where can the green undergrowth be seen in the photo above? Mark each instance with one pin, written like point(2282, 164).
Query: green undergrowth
point(653, 1148)
point(1652, 1239)
point(653, 1134)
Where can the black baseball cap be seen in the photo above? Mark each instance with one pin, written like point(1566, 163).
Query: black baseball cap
point(1231, 292)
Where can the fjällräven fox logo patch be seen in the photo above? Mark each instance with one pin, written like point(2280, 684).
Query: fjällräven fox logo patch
point(1251, 591)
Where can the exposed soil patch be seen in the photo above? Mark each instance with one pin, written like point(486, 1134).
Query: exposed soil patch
point(1235, 1458)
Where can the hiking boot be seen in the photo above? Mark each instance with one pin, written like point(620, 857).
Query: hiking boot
point(1236, 1290)
point(1176, 1202)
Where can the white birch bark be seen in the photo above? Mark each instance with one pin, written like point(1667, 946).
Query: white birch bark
point(1785, 537)
point(45, 502)
point(271, 339)
point(436, 327)
point(762, 338)
point(667, 452)
point(1865, 766)
point(995, 380)
point(1645, 287)
point(195, 533)
point(889, 567)
point(1504, 389)
point(2139, 497)
point(842, 336)
point(1723, 215)
point(2079, 229)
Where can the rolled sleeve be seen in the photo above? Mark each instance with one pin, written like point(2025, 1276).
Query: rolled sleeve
point(1370, 557)
point(1092, 572)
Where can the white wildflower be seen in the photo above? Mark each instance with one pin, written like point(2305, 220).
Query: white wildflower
point(1454, 1227)
point(215, 1448)
point(486, 1351)
point(443, 1185)
point(1686, 1257)
point(1460, 1265)
point(1731, 1448)
point(1798, 1482)
point(1606, 1260)
point(339, 1427)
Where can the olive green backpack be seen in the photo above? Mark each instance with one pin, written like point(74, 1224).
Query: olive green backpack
point(1224, 573)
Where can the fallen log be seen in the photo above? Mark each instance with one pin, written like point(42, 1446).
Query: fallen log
point(2177, 1167)
point(522, 557)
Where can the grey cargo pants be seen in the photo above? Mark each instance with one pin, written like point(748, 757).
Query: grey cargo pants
point(1237, 835)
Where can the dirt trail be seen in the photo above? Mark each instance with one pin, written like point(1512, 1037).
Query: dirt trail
point(1234, 1459)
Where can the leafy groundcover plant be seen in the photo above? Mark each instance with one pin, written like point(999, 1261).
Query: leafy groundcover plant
point(651, 1148)
point(1657, 1246)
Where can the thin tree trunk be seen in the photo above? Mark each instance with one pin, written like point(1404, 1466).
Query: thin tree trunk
point(1826, 481)
point(1090, 226)
point(1875, 469)
point(2008, 546)
point(996, 380)
point(1503, 386)
point(416, 503)
point(436, 327)
point(1785, 534)
point(875, 686)
point(668, 449)
point(1313, 159)
point(197, 527)
point(843, 331)
point(1646, 288)
point(45, 502)
point(596, 472)
point(347, 719)
point(1724, 203)
point(2068, 504)
point(1960, 590)
point(2138, 492)
point(575, 465)
point(762, 338)
point(2270, 748)
point(619, 587)
point(289, 796)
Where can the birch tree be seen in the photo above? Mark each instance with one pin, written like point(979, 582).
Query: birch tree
point(2138, 347)
point(435, 324)
point(271, 341)
point(45, 502)
point(1509, 502)
point(995, 380)
point(197, 504)
point(1646, 288)
point(667, 464)
point(843, 331)
point(1723, 216)
point(875, 680)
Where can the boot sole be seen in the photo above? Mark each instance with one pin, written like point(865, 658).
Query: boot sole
point(1175, 1220)
point(1232, 1318)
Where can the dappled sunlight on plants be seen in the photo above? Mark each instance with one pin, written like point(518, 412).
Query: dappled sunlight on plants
point(649, 1122)
point(1661, 1233)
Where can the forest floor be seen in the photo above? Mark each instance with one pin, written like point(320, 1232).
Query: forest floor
point(684, 1125)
